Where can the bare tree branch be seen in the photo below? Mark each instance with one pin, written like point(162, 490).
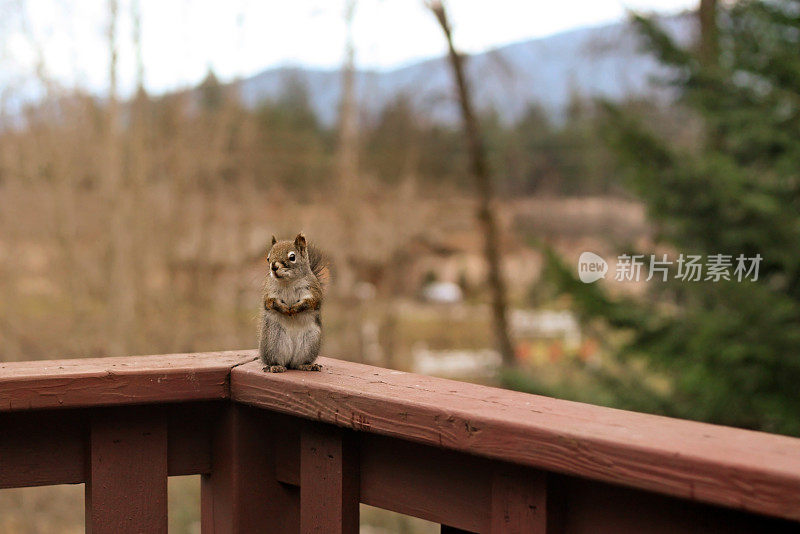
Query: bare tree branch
point(485, 189)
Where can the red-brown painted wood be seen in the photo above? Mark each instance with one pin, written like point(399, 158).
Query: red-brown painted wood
point(190, 433)
point(731, 467)
point(460, 491)
point(590, 507)
point(40, 448)
point(287, 449)
point(242, 494)
point(519, 500)
point(428, 447)
point(329, 482)
point(466, 493)
point(126, 490)
point(427, 482)
point(113, 381)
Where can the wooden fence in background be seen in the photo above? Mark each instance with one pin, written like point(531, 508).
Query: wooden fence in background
point(298, 451)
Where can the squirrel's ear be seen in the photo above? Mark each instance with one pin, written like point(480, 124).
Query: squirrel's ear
point(300, 242)
point(274, 240)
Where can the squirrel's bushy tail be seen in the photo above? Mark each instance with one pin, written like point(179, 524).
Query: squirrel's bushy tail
point(320, 265)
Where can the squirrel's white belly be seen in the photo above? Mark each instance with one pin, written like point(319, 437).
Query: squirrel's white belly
point(297, 324)
point(300, 334)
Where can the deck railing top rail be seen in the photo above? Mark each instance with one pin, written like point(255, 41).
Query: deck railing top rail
point(88, 382)
point(736, 468)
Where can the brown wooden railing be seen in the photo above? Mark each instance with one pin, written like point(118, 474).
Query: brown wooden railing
point(298, 451)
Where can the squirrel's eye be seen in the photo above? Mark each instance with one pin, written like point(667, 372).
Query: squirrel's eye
point(291, 256)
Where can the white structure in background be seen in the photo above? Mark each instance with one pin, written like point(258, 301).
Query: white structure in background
point(547, 324)
point(455, 363)
point(530, 324)
point(442, 292)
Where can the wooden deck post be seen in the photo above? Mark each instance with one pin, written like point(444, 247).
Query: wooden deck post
point(242, 494)
point(329, 481)
point(519, 500)
point(126, 486)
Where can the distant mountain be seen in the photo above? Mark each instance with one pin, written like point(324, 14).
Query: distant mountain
point(603, 61)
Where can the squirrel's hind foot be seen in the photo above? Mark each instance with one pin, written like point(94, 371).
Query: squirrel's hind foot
point(274, 368)
point(310, 367)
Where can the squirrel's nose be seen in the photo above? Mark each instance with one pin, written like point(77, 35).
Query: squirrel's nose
point(274, 265)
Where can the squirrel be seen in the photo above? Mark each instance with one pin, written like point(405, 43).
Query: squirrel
point(290, 332)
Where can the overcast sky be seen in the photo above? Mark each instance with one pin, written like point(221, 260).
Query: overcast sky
point(183, 38)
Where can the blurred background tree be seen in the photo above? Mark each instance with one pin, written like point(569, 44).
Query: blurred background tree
point(728, 348)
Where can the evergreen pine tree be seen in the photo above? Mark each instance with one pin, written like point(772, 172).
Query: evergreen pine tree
point(731, 349)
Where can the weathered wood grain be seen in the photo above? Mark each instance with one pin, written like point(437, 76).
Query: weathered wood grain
point(734, 468)
point(114, 381)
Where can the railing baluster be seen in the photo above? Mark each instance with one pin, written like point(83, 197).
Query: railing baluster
point(329, 481)
point(519, 501)
point(242, 494)
point(126, 488)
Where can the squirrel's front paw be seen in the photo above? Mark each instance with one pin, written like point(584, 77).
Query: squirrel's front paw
point(298, 307)
point(277, 305)
point(310, 367)
point(274, 368)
